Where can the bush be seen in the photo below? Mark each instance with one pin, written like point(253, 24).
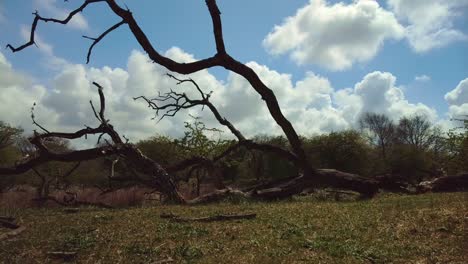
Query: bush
point(347, 151)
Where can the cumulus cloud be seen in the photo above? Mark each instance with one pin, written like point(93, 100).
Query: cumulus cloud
point(64, 105)
point(312, 104)
point(430, 23)
point(459, 95)
point(18, 95)
point(457, 100)
point(334, 36)
point(378, 93)
point(51, 8)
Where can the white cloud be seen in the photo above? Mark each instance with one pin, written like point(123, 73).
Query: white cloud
point(459, 95)
point(458, 103)
point(422, 78)
point(334, 36)
point(50, 8)
point(65, 104)
point(430, 23)
point(17, 97)
point(378, 93)
point(312, 105)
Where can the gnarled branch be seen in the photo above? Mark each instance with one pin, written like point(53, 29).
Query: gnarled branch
point(38, 18)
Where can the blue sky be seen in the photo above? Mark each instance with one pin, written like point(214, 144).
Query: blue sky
point(411, 52)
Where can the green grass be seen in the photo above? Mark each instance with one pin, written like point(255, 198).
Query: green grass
point(430, 228)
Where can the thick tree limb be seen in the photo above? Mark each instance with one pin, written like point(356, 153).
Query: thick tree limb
point(217, 28)
point(453, 183)
point(74, 156)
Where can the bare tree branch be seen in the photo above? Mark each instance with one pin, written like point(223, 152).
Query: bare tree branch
point(217, 28)
point(33, 117)
point(38, 18)
point(96, 40)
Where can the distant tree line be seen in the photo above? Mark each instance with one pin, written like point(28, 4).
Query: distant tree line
point(410, 150)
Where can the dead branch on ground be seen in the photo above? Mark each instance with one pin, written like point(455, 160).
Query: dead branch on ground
point(214, 218)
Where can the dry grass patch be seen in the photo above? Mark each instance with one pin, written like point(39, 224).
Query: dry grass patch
point(427, 228)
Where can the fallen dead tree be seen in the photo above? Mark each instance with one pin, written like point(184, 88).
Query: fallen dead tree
point(170, 103)
point(294, 186)
point(393, 183)
point(454, 183)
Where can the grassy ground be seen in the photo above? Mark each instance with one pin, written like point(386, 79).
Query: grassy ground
point(429, 228)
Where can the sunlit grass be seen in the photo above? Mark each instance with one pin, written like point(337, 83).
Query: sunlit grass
point(427, 228)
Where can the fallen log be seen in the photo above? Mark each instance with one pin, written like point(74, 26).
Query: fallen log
point(393, 183)
point(454, 183)
point(214, 218)
point(328, 178)
point(281, 189)
point(347, 181)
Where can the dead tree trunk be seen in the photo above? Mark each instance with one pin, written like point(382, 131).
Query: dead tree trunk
point(454, 183)
point(162, 180)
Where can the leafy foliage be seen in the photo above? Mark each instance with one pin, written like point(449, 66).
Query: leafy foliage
point(346, 151)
